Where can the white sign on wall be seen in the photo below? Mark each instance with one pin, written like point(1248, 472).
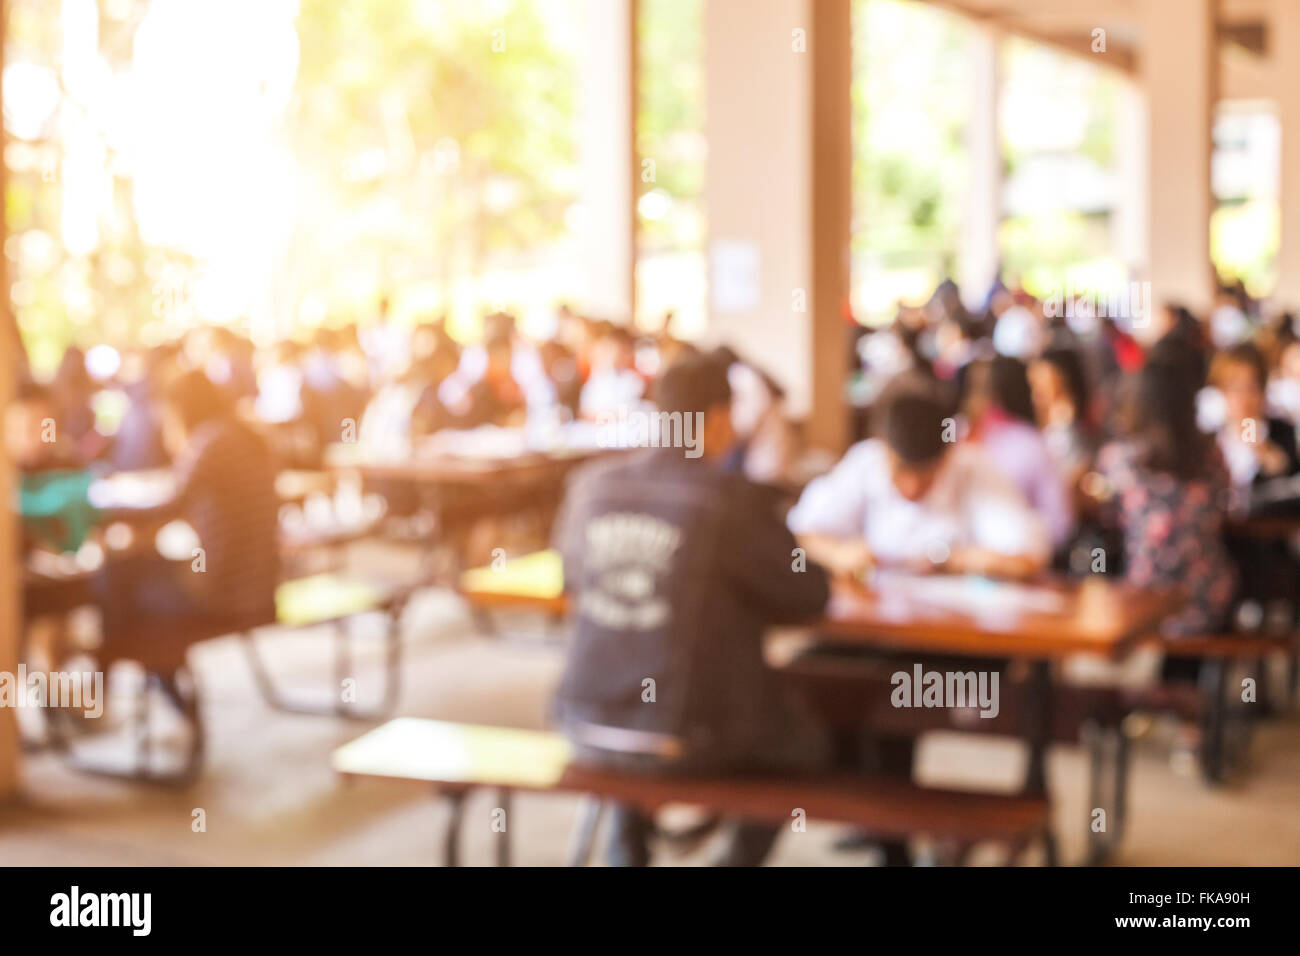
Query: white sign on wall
point(734, 275)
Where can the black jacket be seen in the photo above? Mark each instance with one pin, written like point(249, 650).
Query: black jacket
point(675, 569)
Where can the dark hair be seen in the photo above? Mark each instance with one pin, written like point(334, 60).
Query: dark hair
point(1244, 354)
point(693, 384)
point(196, 399)
point(1160, 414)
point(1069, 363)
point(912, 421)
point(1008, 386)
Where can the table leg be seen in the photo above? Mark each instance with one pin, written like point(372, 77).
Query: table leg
point(451, 847)
point(1038, 726)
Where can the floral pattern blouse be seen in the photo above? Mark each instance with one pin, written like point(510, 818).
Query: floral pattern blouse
point(1173, 535)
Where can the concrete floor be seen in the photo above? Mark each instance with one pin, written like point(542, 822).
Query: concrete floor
point(269, 798)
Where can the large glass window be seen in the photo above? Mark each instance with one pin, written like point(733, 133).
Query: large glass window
point(670, 274)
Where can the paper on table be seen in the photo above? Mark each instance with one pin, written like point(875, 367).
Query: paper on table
point(966, 594)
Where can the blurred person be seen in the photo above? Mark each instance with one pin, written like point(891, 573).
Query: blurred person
point(1000, 411)
point(280, 384)
point(676, 568)
point(1019, 332)
point(561, 368)
point(578, 333)
point(429, 337)
point(73, 389)
point(53, 479)
point(1284, 384)
point(764, 450)
point(497, 398)
point(1257, 448)
point(335, 385)
point(916, 497)
point(1182, 341)
point(1059, 386)
point(229, 363)
point(409, 406)
point(225, 491)
point(1255, 445)
point(1230, 323)
point(138, 444)
point(614, 382)
point(1165, 485)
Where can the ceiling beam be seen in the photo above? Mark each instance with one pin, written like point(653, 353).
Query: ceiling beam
point(1078, 44)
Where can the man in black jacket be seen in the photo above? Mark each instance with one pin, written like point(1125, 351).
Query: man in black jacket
point(676, 568)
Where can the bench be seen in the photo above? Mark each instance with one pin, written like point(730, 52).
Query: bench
point(459, 758)
point(162, 651)
point(1225, 731)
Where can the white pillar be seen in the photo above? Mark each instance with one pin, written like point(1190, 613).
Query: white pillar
point(777, 79)
point(1285, 42)
point(607, 159)
point(1128, 217)
point(979, 259)
point(1179, 64)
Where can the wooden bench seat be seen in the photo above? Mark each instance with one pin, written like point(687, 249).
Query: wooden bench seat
point(457, 758)
point(162, 650)
point(1212, 703)
point(1228, 645)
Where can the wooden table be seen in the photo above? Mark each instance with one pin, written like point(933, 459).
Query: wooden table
point(941, 615)
point(968, 617)
point(462, 489)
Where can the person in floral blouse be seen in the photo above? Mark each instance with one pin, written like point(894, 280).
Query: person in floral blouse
point(1168, 488)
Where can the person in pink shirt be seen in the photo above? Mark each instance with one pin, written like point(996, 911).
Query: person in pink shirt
point(999, 409)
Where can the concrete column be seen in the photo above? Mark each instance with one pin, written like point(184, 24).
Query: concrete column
point(10, 593)
point(1128, 218)
point(777, 192)
point(1285, 55)
point(1179, 65)
point(978, 258)
point(607, 159)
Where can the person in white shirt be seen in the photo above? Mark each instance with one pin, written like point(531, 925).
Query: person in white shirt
point(915, 498)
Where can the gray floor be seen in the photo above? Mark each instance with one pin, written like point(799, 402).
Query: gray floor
point(268, 796)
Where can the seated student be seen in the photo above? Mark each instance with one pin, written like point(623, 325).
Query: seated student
point(614, 381)
point(1256, 448)
point(676, 568)
point(914, 497)
point(765, 446)
point(999, 406)
point(1059, 386)
point(1182, 341)
point(1255, 445)
point(226, 493)
point(53, 503)
point(1284, 386)
point(1166, 483)
point(561, 367)
point(497, 398)
point(73, 391)
point(138, 443)
point(409, 406)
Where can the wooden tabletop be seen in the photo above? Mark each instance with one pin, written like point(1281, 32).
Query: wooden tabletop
point(960, 615)
point(936, 613)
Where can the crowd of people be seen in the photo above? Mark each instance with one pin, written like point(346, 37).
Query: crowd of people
point(1008, 442)
point(1005, 444)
